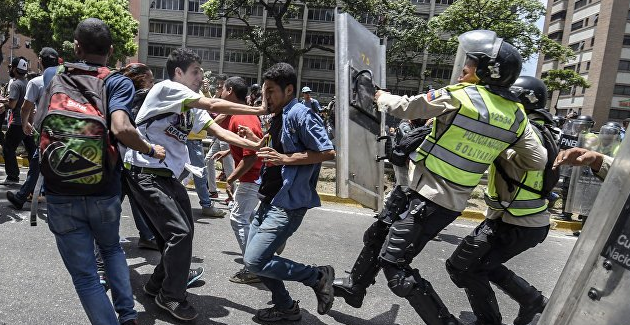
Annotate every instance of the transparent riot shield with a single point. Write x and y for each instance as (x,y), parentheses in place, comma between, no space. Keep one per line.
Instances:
(595,283)
(359,126)
(584,185)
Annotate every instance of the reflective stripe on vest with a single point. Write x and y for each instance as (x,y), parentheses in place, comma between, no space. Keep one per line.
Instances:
(524,202)
(485,125)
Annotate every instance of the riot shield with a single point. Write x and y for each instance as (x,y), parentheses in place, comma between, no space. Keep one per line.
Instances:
(584,185)
(569,139)
(360,69)
(594,285)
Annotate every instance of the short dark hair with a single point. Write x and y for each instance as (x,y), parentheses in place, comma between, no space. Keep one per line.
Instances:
(94,36)
(221,77)
(180,58)
(283,74)
(239,87)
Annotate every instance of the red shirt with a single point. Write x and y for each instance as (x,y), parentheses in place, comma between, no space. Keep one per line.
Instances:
(238,153)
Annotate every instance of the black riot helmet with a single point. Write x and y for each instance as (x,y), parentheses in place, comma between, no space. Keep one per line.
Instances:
(498,62)
(559,120)
(531,91)
(586,119)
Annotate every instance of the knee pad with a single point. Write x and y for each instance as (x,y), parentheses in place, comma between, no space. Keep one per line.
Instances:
(400,280)
(468,254)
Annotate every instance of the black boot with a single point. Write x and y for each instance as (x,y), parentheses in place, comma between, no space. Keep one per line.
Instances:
(530,300)
(352,288)
(429,306)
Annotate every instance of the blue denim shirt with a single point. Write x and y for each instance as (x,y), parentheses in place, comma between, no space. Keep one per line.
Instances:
(302,130)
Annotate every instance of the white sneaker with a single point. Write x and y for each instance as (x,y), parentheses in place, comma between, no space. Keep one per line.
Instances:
(212,212)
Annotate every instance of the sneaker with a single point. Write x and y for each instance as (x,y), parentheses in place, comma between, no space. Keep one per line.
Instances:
(14,200)
(103,279)
(10,181)
(565,216)
(212,212)
(274,314)
(214,195)
(324,289)
(181,310)
(194,275)
(244,277)
(526,313)
(148,244)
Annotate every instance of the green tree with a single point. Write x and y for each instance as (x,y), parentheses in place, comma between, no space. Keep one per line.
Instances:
(562,80)
(52,23)
(279,42)
(10,11)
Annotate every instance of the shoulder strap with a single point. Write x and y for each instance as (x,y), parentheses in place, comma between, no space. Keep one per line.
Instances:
(512,182)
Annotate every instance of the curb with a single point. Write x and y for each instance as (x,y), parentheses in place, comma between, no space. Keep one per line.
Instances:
(22,162)
(466,214)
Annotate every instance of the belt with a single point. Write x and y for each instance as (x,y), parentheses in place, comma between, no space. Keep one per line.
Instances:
(163,172)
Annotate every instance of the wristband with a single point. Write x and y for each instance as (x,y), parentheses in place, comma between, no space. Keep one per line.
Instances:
(151,152)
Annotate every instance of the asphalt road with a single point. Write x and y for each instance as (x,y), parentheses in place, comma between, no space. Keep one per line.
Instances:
(35,287)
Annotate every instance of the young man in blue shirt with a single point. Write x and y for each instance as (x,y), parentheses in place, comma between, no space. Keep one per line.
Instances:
(310,102)
(292,161)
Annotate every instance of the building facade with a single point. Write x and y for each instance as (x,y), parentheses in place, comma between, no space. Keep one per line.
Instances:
(18,45)
(169,24)
(599,33)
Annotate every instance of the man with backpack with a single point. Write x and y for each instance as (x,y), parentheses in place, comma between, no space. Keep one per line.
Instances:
(475,121)
(81,166)
(516,220)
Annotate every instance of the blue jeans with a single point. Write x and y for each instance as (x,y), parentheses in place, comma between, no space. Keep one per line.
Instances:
(271,228)
(195,152)
(76,222)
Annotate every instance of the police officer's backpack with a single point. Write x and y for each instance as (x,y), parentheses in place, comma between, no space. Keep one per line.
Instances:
(550,176)
(407,144)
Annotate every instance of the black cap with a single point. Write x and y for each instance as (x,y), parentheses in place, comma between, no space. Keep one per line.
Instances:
(48,52)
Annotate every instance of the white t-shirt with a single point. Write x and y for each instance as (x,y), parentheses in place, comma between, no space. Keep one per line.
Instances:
(164,119)
(35,90)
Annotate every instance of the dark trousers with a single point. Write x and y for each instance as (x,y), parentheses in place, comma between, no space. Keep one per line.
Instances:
(165,203)
(31,178)
(479,258)
(14,136)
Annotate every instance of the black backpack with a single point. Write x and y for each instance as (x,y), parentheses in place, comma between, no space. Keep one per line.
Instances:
(407,144)
(550,176)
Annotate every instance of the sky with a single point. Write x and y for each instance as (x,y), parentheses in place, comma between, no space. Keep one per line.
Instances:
(529,67)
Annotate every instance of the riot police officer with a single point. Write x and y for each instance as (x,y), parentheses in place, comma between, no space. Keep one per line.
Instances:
(516,220)
(475,121)
(570,133)
(609,138)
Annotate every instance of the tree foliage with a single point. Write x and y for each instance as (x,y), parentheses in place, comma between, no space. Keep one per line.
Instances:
(563,80)
(277,43)
(52,23)
(10,11)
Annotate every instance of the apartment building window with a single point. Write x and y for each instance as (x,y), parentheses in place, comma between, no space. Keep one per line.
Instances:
(441,73)
(557,36)
(592,41)
(166,27)
(417,2)
(257,10)
(580,4)
(236,32)
(577,25)
(321,14)
(628,18)
(567,92)
(159,73)
(570,67)
(444,2)
(320,86)
(319,63)
(618,114)
(626,40)
(320,38)
(195,5)
(160,50)
(169,4)
(575,46)
(207,54)
(295,14)
(241,57)
(204,30)
(624,65)
(558,15)
(622,90)
(368,19)
(588,65)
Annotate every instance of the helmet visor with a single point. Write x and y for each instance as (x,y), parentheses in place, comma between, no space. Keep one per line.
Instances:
(476,43)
